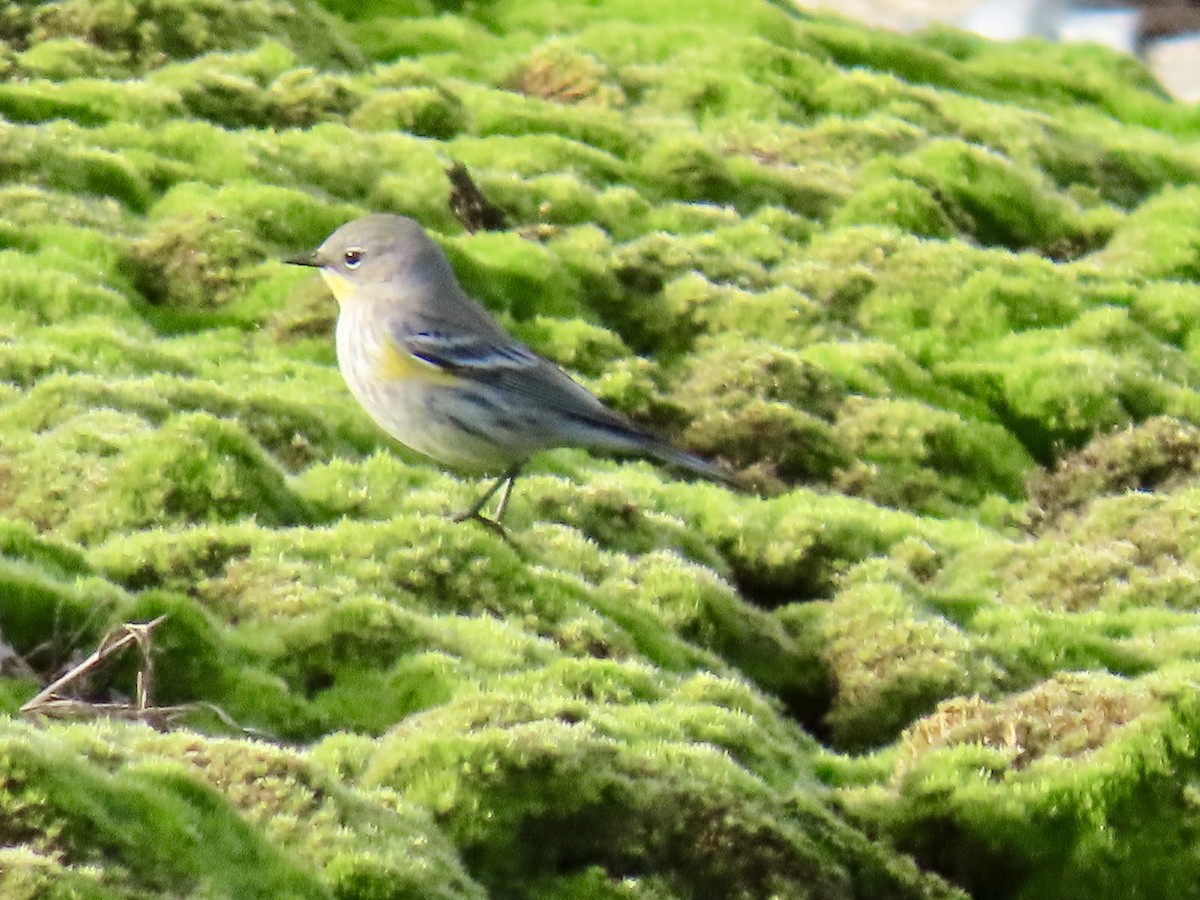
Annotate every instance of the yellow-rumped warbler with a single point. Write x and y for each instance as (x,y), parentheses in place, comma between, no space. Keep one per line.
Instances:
(437,373)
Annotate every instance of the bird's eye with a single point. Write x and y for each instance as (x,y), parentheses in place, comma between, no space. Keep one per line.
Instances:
(353,258)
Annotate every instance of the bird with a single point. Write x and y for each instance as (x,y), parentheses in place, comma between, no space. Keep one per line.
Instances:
(437,373)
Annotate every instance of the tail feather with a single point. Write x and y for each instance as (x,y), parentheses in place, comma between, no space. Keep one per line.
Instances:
(625,437)
(601,428)
(690,462)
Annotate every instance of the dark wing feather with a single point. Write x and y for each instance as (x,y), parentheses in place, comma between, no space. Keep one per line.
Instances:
(513,368)
(518,373)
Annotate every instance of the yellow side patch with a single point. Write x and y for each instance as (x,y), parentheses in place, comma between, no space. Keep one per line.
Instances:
(396,364)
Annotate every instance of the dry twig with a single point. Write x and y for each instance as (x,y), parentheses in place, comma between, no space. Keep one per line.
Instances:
(473,209)
(51,702)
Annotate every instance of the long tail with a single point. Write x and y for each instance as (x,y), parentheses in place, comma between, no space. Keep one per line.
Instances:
(690,462)
(628,438)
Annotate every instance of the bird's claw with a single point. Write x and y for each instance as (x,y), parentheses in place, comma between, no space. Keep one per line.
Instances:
(473,515)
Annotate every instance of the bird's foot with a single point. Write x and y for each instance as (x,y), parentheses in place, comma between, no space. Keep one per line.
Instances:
(474,515)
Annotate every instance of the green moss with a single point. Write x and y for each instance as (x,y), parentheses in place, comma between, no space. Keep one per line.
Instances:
(1124,552)
(269,806)
(205,469)
(796,547)
(495,112)
(538,154)
(55,157)
(875,368)
(180,150)
(1095,161)
(261,88)
(956,306)
(660,270)
(1034,73)
(565,74)
(18,540)
(771,413)
(63,59)
(195,256)
(1157,241)
(35,293)
(1058,756)
(390,38)
(1158,454)
(705,611)
(1166,309)
(550,18)
(264,401)
(143,35)
(114,818)
(883,276)
(898,202)
(575,344)
(350,165)
(190,262)
(1052,394)
(283,217)
(513,276)
(424,111)
(89,345)
(88,103)
(25,872)
(890,662)
(995,201)
(47,618)
(685,168)
(108,470)
(911,456)
(546,201)
(532,746)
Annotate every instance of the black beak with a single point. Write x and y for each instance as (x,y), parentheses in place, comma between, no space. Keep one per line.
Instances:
(304,259)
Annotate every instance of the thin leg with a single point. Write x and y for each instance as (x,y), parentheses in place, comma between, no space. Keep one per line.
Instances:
(505,481)
(504,495)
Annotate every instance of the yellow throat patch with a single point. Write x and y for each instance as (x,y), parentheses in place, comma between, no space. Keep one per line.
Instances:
(339,286)
(394,363)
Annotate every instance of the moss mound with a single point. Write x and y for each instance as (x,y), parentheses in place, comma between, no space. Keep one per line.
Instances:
(935,299)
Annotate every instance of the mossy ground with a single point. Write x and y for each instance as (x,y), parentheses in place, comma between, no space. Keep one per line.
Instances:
(936,299)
